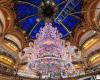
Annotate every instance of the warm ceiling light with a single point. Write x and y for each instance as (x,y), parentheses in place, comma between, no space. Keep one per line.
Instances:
(11,46)
(38,20)
(9,18)
(78,66)
(6,60)
(48,2)
(95,58)
(90,43)
(24,32)
(53,3)
(42,4)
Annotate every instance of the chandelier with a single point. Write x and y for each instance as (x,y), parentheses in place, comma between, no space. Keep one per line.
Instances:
(48,54)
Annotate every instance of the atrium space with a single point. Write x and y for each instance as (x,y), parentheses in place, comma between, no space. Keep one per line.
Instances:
(49,39)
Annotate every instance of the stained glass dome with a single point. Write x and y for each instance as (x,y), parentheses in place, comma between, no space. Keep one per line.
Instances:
(66,17)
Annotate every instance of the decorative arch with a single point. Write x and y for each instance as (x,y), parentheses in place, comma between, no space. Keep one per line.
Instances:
(91,45)
(90,9)
(14,39)
(7,18)
(86,36)
(94,58)
(97,14)
(5,1)
(2,21)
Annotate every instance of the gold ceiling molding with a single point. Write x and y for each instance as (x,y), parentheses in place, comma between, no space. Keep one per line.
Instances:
(94,60)
(97,14)
(90,8)
(11,46)
(2,22)
(95,57)
(9,18)
(19,35)
(79,66)
(12,43)
(90,46)
(6,60)
(10,27)
(90,42)
(4,18)
(86,36)
(14,39)
(5,2)
(9,22)
(79,32)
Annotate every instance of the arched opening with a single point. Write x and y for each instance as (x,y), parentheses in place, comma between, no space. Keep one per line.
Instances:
(12,42)
(86,36)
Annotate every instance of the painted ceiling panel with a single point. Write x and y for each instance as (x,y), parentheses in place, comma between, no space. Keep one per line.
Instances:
(28,23)
(60,7)
(60,29)
(27,12)
(58,1)
(41,24)
(71,22)
(35,2)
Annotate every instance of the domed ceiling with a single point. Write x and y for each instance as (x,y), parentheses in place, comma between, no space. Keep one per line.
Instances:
(31,15)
